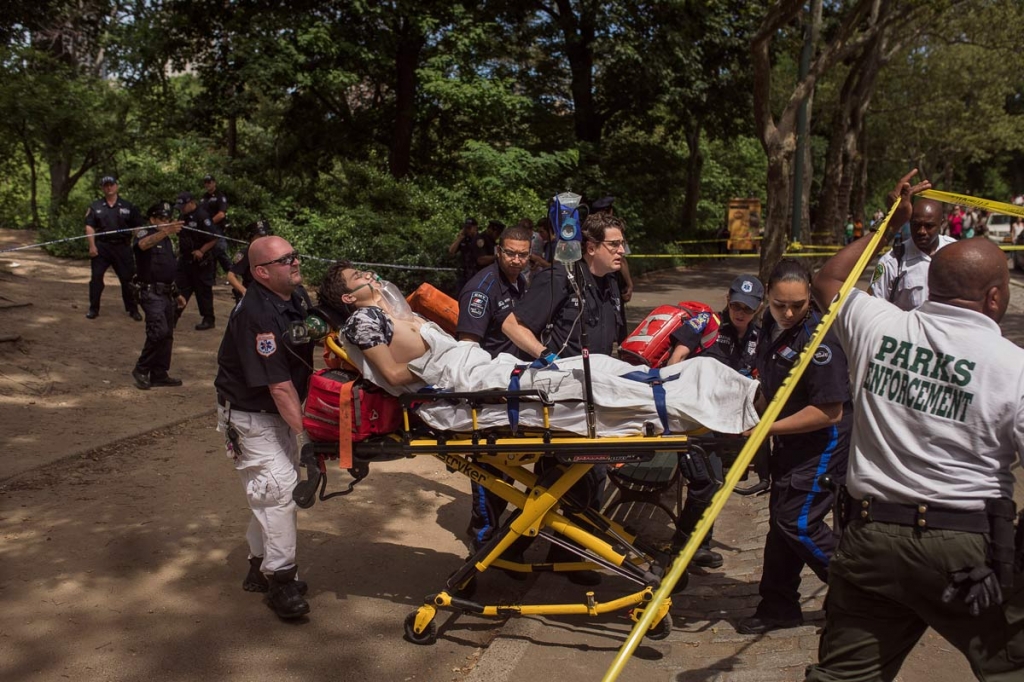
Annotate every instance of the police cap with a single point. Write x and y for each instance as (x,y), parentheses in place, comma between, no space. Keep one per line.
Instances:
(161,209)
(260,228)
(183,199)
(209,178)
(108,180)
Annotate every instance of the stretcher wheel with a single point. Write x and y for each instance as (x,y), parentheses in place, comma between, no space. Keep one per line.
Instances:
(660,631)
(428,636)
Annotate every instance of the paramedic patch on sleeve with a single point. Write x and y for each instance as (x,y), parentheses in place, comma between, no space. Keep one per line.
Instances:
(266,344)
(698,322)
(877,275)
(477,304)
(822,356)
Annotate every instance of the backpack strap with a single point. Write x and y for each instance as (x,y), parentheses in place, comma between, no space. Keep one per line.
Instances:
(899,249)
(345,424)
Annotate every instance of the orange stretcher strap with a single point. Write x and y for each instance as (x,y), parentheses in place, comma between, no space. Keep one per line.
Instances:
(345,425)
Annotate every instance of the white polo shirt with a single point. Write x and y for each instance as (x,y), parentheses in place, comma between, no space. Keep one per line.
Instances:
(938,403)
(912,290)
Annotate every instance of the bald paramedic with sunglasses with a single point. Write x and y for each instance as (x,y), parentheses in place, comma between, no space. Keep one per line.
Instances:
(263,369)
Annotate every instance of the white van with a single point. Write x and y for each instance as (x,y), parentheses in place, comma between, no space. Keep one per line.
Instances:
(999,227)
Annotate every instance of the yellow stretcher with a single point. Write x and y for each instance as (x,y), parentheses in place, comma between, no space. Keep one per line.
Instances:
(543,505)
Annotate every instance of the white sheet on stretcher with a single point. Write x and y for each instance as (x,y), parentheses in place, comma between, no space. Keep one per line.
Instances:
(704,393)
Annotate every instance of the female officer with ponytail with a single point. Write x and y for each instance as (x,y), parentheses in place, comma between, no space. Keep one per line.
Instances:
(810,438)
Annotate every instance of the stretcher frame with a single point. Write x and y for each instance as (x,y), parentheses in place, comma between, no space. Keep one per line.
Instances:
(545,509)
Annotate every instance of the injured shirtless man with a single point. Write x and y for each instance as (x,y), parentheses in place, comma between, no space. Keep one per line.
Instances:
(401,353)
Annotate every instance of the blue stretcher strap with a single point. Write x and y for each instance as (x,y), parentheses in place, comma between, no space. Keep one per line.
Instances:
(513,403)
(656,381)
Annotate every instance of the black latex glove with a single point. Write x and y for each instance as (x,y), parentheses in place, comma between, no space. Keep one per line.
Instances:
(979,588)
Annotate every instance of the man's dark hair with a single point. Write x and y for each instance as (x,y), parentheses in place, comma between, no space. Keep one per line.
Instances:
(515,234)
(596,223)
(333,287)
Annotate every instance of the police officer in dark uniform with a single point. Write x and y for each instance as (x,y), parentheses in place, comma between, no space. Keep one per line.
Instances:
(551,311)
(110,248)
(157,268)
(239,276)
(216,205)
(485,302)
(264,364)
(196,266)
(468,244)
(810,438)
(731,338)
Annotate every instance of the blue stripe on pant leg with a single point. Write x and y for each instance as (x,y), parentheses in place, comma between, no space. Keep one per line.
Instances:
(801,523)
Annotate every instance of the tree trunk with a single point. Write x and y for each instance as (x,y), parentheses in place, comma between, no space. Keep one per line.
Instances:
(33,180)
(781,154)
(694,168)
(232,141)
(410,44)
(579,34)
(60,187)
(860,187)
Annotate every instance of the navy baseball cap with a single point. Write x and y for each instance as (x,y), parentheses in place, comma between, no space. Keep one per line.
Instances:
(748,290)
(602,204)
(160,210)
(108,180)
(183,198)
(470,221)
(209,178)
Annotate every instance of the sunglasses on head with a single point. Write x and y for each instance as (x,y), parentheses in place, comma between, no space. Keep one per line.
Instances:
(286,259)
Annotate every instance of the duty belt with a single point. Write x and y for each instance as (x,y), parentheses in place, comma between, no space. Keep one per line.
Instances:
(919,515)
(159,287)
(231,407)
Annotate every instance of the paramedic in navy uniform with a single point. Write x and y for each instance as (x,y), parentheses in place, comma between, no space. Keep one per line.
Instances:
(551,298)
(939,424)
(158,266)
(484,303)
(811,438)
(733,336)
(115,249)
(262,379)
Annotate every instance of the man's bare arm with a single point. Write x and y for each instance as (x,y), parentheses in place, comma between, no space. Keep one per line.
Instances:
(394,372)
(524,339)
(287,400)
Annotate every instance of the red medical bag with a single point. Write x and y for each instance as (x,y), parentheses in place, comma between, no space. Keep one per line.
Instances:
(650,343)
(373,412)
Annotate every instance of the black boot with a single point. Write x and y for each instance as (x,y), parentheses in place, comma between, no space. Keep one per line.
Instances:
(207,323)
(255,581)
(285,596)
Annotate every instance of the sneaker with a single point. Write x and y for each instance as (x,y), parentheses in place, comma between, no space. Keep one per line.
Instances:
(135,315)
(141,379)
(758,625)
(92,314)
(164,381)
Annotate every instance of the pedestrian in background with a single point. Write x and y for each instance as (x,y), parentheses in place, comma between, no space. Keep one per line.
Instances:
(107,223)
(158,267)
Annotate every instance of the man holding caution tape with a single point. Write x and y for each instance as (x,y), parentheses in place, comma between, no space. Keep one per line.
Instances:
(928,513)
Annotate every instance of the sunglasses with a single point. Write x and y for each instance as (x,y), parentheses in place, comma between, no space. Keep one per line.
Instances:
(514,255)
(740,308)
(286,259)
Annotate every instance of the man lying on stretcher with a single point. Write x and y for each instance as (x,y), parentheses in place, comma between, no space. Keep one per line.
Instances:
(401,352)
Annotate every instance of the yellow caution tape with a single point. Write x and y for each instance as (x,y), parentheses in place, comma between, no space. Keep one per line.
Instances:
(987,204)
(758,435)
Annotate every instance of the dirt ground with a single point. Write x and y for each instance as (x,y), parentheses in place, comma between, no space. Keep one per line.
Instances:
(125,562)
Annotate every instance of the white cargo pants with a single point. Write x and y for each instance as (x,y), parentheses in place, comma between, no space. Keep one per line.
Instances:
(267,461)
